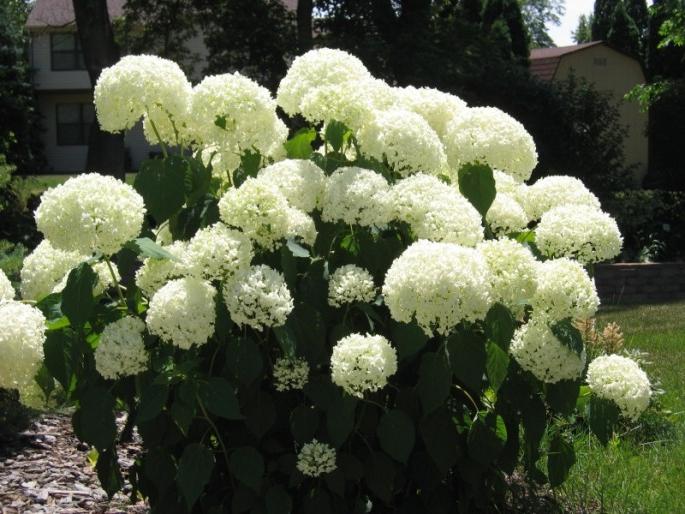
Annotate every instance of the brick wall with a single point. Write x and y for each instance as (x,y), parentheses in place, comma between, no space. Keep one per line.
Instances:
(640,282)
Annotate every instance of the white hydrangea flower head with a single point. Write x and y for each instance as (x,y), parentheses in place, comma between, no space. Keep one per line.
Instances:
(301,226)
(537,349)
(121,350)
(259,209)
(439,285)
(172,128)
(138,84)
(90,213)
(290,374)
(620,379)
(223,162)
(557,190)
(506,184)
(301,182)
(316,459)
(259,298)
(435,210)
(356,196)
(317,68)
(183,312)
(21,347)
(154,273)
(506,216)
(580,232)
(436,107)
(7,292)
(565,290)
(349,284)
(217,252)
(490,136)
(248,109)
(405,140)
(104,280)
(44,268)
(513,272)
(362,363)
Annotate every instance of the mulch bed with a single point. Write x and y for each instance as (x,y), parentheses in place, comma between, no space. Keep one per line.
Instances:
(46,470)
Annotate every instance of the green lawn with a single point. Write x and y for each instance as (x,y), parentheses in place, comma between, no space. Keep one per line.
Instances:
(643,472)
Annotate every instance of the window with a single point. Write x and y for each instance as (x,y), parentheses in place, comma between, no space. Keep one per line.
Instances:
(73,123)
(65,52)
(600,61)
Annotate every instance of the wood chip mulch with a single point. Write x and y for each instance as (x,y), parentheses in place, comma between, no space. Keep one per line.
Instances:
(46,470)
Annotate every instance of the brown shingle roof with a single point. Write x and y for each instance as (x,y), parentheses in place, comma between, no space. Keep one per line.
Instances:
(544,61)
(60,13)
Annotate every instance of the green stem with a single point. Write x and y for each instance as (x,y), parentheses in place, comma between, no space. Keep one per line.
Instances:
(154,129)
(216,431)
(116,280)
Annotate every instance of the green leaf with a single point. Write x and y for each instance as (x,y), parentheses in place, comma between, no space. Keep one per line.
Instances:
(45,381)
(286,340)
(108,471)
(602,417)
(467,358)
(300,145)
(500,326)
(396,434)
(569,335)
(152,401)
(487,437)
(304,422)
(94,420)
(250,162)
(496,365)
(340,418)
(78,303)
(247,465)
(194,471)
(146,247)
(160,468)
(61,357)
(477,184)
(408,338)
(335,135)
(197,180)
(441,439)
(434,382)
(260,414)
(219,397)
(560,460)
(184,406)
(379,475)
(297,250)
(563,395)
(289,268)
(189,220)
(244,359)
(527,236)
(278,500)
(51,307)
(161,183)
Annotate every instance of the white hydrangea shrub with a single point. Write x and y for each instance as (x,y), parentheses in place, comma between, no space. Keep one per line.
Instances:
(7,291)
(44,268)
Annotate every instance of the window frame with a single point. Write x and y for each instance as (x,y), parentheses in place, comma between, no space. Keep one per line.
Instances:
(82,124)
(76,53)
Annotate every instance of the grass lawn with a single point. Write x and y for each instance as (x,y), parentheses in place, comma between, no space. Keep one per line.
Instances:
(645,473)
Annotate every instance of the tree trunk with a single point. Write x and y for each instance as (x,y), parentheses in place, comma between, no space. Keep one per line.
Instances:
(304,25)
(105,150)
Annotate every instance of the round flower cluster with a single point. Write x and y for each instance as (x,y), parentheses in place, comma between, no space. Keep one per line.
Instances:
(104,278)
(356,196)
(90,213)
(316,459)
(361,363)
(512,272)
(258,298)
(506,216)
(438,284)
(44,268)
(349,284)
(6,290)
(301,182)
(404,140)
(290,373)
(121,350)
(154,273)
(580,232)
(223,162)
(435,211)
(301,226)
(537,349)
(216,252)
(564,291)
(138,85)
(491,136)
(182,312)
(620,380)
(557,190)
(436,107)
(21,347)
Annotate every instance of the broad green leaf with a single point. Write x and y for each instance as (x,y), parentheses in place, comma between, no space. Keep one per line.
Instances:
(602,417)
(527,236)
(569,335)
(94,420)
(218,395)
(300,145)
(287,340)
(45,381)
(244,359)
(560,459)
(477,184)
(161,183)
(441,439)
(78,303)
(278,500)
(184,224)
(487,437)
(408,338)
(51,307)
(467,358)
(500,326)
(61,357)
(197,180)
(250,162)
(335,135)
(194,471)
(160,468)
(340,418)
(247,465)
(260,414)
(396,434)
(304,422)
(434,382)
(184,407)
(379,475)
(146,247)
(562,396)
(496,365)
(108,471)
(152,401)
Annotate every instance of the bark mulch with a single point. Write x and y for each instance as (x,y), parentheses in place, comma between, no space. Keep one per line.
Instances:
(46,470)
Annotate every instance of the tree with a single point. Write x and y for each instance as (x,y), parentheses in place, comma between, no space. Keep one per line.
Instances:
(623,33)
(638,11)
(105,150)
(537,15)
(601,18)
(304,25)
(504,20)
(583,32)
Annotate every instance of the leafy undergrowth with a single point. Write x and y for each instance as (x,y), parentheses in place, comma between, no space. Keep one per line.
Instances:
(643,471)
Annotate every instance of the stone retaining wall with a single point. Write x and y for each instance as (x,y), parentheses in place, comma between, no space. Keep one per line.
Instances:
(640,282)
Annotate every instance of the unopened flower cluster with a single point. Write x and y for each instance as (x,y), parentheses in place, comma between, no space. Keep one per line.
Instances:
(316,459)
(290,373)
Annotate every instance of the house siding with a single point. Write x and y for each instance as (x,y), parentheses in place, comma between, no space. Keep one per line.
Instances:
(44,78)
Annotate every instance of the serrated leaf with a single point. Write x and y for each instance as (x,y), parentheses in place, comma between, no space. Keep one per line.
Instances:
(218,395)
(434,382)
(247,465)
(569,335)
(560,459)
(477,184)
(197,180)
(194,470)
(396,434)
(78,302)
(496,364)
(467,358)
(161,183)
(500,326)
(335,134)
(300,145)
(250,162)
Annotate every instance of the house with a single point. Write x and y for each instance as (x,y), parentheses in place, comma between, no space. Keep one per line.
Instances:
(609,70)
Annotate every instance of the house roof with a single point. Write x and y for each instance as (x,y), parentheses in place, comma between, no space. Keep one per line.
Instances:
(544,61)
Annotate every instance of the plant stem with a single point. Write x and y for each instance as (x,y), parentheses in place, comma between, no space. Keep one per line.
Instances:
(216,431)
(154,129)
(116,281)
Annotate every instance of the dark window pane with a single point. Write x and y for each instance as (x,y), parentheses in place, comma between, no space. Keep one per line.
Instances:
(69,134)
(68,113)
(63,42)
(63,61)
(88,113)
